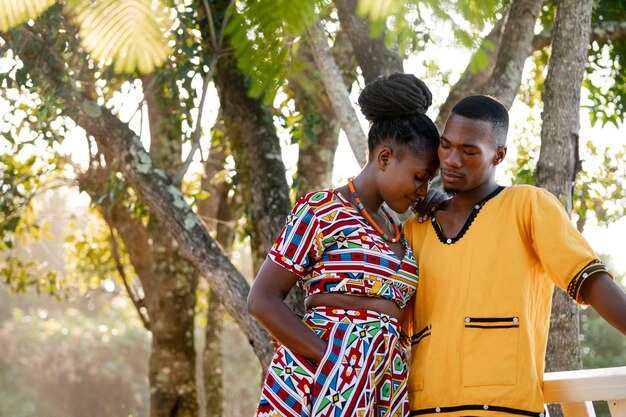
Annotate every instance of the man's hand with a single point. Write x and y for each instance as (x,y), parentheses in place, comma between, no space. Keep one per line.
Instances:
(426,206)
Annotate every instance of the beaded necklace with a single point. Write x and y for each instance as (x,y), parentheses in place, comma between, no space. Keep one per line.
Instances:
(371,221)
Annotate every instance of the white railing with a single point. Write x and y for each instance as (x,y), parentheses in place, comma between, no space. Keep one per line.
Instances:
(575,390)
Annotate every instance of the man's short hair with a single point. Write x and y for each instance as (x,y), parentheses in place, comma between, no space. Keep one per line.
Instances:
(486,108)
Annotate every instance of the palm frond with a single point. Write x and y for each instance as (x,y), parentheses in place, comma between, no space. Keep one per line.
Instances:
(14,13)
(130,33)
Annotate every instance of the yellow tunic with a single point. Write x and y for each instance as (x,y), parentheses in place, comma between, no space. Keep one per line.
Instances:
(479,320)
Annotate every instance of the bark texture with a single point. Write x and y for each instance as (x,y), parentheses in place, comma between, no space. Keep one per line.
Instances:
(319,131)
(337,91)
(516,47)
(373,56)
(558,159)
(256,149)
(219,213)
(260,168)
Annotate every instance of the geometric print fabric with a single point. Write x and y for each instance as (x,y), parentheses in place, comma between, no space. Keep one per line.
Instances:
(363,372)
(330,246)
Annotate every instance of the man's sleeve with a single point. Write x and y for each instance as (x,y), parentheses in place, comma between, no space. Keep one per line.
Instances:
(563,252)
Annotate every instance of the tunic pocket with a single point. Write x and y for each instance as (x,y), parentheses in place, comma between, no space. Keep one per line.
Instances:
(419,351)
(490,351)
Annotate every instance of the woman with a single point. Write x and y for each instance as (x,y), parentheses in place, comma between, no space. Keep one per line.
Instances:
(344,247)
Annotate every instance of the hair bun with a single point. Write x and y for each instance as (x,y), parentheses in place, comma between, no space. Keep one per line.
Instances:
(399,95)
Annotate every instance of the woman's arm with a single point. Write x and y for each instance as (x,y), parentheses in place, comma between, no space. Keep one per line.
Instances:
(266,303)
(607,298)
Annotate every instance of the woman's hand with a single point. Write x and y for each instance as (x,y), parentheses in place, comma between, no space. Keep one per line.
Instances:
(266,304)
(426,206)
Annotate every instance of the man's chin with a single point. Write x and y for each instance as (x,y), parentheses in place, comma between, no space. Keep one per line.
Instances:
(450,190)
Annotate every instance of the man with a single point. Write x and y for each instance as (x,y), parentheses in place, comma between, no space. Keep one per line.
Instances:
(488,261)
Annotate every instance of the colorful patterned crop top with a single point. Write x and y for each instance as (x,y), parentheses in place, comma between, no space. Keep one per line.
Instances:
(328,244)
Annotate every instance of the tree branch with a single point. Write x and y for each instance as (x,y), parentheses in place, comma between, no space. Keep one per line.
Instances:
(337,91)
(121,146)
(137,302)
(600,32)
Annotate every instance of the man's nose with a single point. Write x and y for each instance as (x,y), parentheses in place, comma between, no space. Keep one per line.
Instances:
(452,159)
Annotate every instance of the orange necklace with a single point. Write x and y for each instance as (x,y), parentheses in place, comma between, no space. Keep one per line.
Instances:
(371,221)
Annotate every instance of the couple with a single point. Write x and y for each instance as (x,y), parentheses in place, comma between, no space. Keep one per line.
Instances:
(488,260)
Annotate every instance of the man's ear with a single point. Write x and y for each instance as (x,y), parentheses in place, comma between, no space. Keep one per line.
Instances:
(383,157)
(500,154)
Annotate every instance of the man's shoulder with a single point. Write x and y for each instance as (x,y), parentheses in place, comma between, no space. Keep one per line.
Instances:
(525,192)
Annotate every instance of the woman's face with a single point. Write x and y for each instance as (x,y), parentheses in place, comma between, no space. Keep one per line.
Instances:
(405,177)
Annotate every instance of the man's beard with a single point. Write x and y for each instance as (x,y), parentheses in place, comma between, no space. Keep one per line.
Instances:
(450,191)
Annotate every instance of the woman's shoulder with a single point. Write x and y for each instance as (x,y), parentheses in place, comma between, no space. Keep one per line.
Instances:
(320,198)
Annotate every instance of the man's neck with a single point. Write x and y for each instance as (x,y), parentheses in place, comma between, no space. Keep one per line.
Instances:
(465,200)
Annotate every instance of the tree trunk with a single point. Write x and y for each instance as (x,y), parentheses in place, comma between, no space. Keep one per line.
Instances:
(558,159)
(374,58)
(259,162)
(170,300)
(319,135)
(337,92)
(219,214)
(516,47)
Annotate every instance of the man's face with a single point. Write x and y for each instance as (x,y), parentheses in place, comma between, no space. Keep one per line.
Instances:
(468,154)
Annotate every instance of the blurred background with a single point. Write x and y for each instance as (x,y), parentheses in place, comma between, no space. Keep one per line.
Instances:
(150,151)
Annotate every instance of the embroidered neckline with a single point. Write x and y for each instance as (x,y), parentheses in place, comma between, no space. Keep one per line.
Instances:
(449,241)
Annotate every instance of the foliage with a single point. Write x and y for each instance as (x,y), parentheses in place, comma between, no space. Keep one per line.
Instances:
(131,33)
(600,187)
(523,168)
(605,82)
(264,36)
(606,71)
(403,20)
(89,257)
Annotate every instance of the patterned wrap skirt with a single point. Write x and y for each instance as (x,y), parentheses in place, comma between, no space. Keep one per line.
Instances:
(363,372)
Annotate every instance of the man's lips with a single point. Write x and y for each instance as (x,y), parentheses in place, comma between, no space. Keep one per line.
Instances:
(450,175)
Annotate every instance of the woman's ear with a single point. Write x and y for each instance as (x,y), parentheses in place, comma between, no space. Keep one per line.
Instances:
(383,157)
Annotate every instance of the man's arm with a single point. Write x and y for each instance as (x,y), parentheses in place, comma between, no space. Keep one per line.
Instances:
(607,298)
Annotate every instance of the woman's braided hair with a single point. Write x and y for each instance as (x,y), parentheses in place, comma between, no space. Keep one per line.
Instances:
(396,106)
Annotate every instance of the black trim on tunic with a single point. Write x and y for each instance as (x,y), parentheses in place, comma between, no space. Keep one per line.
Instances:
(468,407)
(449,241)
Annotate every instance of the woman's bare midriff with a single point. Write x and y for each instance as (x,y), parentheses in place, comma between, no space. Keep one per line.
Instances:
(351,301)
